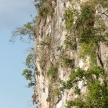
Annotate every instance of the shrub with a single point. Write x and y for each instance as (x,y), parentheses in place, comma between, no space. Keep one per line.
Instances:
(25,33)
(70,43)
(68,16)
(30,61)
(97,91)
(44,8)
(52,72)
(68,62)
(29,75)
(56,91)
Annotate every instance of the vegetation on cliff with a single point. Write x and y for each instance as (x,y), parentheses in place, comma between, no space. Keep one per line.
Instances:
(26,34)
(88,27)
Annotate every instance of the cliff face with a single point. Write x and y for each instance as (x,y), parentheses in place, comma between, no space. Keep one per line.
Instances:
(49,31)
(54,59)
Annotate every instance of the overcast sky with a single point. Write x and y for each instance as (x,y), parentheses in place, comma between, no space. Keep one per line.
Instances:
(13,93)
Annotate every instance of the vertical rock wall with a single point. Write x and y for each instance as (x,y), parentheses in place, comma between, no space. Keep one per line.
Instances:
(49,44)
(49,30)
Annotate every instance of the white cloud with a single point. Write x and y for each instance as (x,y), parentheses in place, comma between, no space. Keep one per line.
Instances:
(15,12)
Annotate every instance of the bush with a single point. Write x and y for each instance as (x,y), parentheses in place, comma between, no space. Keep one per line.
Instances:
(68,16)
(44,8)
(70,43)
(30,61)
(97,90)
(52,72)
(29,75)
(25,33)
(56,91)
(67,62)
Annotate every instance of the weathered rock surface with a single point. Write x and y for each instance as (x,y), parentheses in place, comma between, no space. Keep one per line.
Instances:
(49,44)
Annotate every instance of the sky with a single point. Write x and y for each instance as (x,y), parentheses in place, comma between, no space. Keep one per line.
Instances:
(13,90)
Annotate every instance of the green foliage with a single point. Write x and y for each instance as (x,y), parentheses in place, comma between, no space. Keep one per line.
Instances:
(97,90)
(68,16)
(82,24)
(52,72)
(87,35)
(68,62)
(45,8)
(59,48)
(42,63)
(31,84)
(103,3)
(26,32)
(77,102)
(37,107)
(43,43)
(86,50)
(96,70)
(89,29)
(56,91)
(70,43)
(46,42)
(86,17)
(79,74)
(29,75)
(30,61)
(77,90)
(64,86)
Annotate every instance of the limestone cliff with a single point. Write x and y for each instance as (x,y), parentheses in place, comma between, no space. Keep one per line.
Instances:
(57,52)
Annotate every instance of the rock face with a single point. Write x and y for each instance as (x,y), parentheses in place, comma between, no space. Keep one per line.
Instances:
(49,31)
(51,56)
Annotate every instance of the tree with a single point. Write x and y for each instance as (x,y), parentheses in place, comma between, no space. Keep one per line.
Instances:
(29,75)
(30,61)
(25,33)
